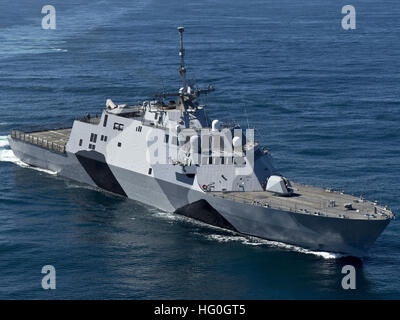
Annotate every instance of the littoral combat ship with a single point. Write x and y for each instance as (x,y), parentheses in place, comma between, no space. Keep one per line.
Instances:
(168,154)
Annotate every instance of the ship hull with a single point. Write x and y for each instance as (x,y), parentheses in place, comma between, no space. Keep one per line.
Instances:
(350,236)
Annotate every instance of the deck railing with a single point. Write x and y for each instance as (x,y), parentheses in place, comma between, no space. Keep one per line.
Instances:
(324,209)
(44,143)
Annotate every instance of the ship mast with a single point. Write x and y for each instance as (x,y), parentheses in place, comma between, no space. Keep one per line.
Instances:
(185,96)
(182,69)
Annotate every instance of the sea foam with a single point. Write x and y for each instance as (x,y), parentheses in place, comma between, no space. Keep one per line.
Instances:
(244,239)
(7,155)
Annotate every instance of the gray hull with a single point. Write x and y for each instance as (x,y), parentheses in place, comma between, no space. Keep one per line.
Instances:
(313,232)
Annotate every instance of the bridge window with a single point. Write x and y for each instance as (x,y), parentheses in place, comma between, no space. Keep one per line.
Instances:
(105,120)
(118,126)
(93,137)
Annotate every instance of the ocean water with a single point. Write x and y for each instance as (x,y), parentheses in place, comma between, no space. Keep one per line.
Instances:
(325,101)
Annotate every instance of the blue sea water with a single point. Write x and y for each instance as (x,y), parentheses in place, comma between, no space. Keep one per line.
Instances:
(324,100)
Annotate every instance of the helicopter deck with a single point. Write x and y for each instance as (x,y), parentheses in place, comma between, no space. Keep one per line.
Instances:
(54,140)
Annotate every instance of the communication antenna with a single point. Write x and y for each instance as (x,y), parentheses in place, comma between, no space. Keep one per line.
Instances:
(182,69)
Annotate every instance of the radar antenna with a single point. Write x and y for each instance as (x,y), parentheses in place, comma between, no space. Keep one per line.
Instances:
(185,95)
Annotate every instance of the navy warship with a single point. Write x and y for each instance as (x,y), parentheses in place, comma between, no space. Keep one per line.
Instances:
(167,153)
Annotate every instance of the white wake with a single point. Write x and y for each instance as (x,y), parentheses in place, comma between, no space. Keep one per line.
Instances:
(253,241)
(7,155)
(247,240)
